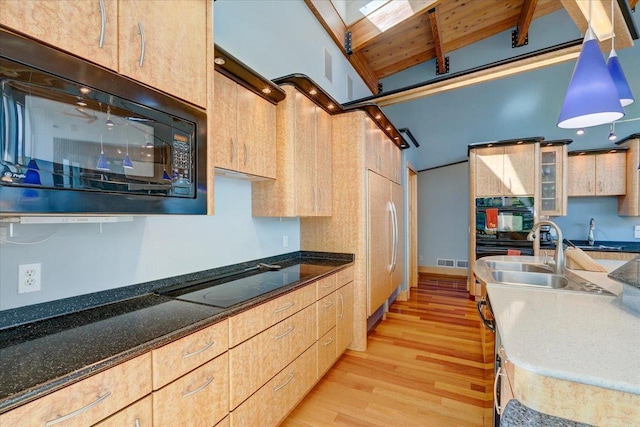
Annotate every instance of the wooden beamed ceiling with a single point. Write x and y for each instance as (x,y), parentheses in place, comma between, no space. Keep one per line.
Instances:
(405,33)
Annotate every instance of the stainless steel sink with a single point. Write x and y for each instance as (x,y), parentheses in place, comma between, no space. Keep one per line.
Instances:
(553,281)
(519,266)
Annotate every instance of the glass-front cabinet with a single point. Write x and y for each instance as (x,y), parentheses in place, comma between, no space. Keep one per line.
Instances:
(553,178)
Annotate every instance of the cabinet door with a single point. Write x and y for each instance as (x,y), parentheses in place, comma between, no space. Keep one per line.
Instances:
(323,163)
(553,181)
(611,174)
(519,170)
(489,171)
(373,146)
(74,26)
(224,118)
(629,205)
(344,317)
(581,175)
(173,55)
(138,414)
(379,241)
(256,134)
(397,275)
(305,156)
(200,398)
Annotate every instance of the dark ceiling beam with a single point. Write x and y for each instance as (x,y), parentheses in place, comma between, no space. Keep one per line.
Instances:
(526,15)
(335,27)
(434,20)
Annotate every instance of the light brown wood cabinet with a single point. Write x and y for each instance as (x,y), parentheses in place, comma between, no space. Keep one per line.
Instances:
(90,400)
(273,401)
(257,360)
(382,157)
(629,204)
(161,44)
(553,180)
(244,130)
(303,183)
(199,398)
(347,230)
(179,357)
(344,317)
(138,414)
(384,209)
(82,28)
(602,174)
(504,170)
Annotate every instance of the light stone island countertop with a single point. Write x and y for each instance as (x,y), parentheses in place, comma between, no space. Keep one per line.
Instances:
(574,355)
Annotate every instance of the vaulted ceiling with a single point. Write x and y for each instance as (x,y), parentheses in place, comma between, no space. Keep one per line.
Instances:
(399,34)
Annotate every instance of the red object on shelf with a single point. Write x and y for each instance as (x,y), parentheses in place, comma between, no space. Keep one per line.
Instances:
(513,252)
(491,221)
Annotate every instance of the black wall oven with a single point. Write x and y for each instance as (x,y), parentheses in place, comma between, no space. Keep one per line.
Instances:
(77,138)
(502,226)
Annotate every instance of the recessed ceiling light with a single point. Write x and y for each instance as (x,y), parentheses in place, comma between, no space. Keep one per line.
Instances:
(313,92)
(220,60)
(266,90)
(330,106)
(378,116)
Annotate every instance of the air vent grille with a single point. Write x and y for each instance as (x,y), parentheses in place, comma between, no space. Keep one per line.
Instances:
(460,263)
(446,262)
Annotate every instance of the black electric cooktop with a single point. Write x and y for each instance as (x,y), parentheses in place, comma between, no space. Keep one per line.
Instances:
(242,287)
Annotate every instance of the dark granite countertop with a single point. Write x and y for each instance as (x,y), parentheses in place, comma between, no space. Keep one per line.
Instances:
(39,357)
(628,273)
(608,246)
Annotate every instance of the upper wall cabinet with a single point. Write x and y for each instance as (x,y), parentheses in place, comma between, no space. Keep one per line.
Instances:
(629,204)
(164,44)
(383,157)
(88,29)
(597,173)
(505,170)
(303,183)
(244,130)
(553,178)
(161,44)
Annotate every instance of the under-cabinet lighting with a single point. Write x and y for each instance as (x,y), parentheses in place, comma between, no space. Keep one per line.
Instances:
(85,90)
(65,219)
(219,60)
(266,90)
(313,92)
(330,106)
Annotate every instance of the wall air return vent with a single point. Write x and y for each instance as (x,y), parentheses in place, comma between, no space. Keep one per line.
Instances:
(446,263)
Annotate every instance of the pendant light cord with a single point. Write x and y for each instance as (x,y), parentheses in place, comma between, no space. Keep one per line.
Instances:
(613,34)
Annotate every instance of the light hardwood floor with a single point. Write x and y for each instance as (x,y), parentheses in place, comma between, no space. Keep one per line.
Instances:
(423,367)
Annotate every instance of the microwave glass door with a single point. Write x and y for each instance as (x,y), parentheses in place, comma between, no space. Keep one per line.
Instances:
(58,134)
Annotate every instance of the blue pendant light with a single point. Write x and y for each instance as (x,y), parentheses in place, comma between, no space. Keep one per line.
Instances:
(102,164)
(624,91)
(592,97)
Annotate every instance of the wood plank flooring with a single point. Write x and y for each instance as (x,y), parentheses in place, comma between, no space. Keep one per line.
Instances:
(423,367)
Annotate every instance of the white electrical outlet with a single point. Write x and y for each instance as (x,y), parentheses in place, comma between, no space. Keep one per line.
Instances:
(285,241)
(636,231)
(29,276)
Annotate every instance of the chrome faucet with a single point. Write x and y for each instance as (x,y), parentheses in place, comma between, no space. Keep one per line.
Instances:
(559,255)
(592,226)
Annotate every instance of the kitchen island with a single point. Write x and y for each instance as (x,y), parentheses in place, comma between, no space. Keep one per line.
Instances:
(571,354)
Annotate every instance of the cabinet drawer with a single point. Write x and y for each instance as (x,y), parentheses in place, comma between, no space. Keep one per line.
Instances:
(326,314)
(249,323)
(344,276)
(137,415)
(200,398)
(327,349)
(269,405)
(255,361)
(179,357)
(326,286)
(88,401)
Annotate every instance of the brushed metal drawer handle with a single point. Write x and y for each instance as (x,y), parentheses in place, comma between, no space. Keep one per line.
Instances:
(327,304)
(78,411)
(291,375)
(285,333)
(283,308)
(206,347)
(137,422)
(341,306)
(142,43)
(199,389)
(327,342)
(103,20)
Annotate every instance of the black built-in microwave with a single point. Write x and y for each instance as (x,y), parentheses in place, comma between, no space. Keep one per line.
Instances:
(76,138)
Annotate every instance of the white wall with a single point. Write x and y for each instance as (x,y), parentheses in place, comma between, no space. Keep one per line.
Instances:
(276,38)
